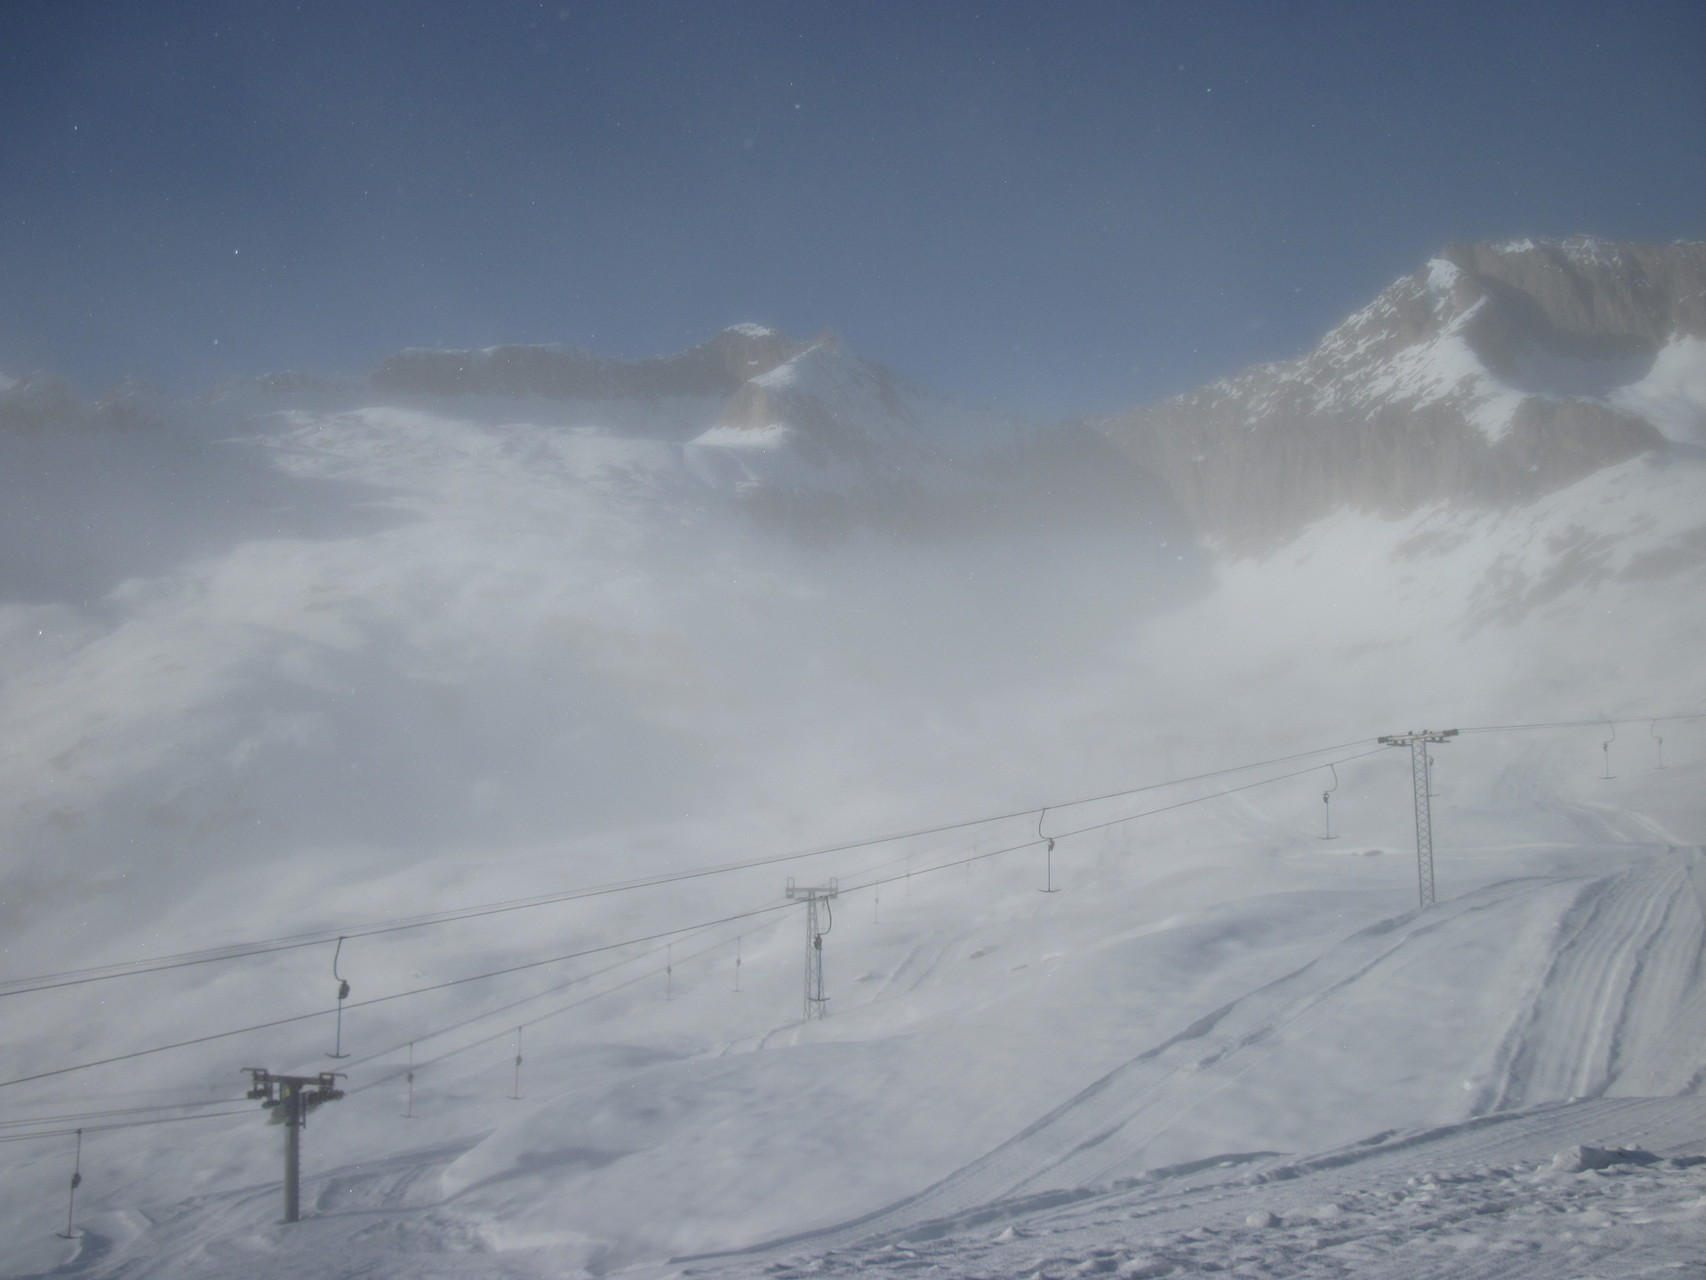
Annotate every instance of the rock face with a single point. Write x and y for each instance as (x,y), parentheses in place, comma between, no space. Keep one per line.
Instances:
(39,403)
(812,438)
(716,367)
(1586,297)
(827,441)
(1495,374)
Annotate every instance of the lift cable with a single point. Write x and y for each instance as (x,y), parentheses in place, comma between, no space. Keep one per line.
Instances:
(957,861)
(397,995)
(127,1124)
(424,1036)
(1598,722)
(653,937)
(290,942)
(537,1018)
(82,1116)
(960,861)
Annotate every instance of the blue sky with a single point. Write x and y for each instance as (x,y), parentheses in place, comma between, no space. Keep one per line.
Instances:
(1049,207)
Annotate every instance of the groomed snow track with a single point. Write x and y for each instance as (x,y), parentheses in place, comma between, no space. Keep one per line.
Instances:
(1480,1200)
(1611,1018)
(1617,1007)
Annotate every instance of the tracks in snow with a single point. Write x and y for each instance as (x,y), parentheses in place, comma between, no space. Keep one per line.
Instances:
(1615,1006)
(1620,1001)
(1103,1129)
(362,1213)
(1474,1201)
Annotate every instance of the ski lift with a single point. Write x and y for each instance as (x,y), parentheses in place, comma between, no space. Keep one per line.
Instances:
(1327,806)
(1048,855)
(1606,747)
(343,994)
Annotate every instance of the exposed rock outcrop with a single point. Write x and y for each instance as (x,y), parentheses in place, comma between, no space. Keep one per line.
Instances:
(1585,297)
(829,441)
(715,367)
(40,402)
(1494,374)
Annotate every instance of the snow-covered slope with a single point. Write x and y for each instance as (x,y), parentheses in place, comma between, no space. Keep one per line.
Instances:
(1495,374)
(531,654)
(827,442)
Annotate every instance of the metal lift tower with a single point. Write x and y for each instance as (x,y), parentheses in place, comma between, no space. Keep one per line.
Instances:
(290,1099)
(811,896)
(1418,744)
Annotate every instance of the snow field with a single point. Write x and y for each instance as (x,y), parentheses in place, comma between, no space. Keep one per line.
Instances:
(546,619)
(1472,1200)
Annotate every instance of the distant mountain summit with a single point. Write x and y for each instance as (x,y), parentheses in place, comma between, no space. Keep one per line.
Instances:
(714,367)
(812,437)
(1495,373)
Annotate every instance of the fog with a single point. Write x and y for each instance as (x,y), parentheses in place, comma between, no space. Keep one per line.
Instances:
(438,632)
(308,659)
(1004,468)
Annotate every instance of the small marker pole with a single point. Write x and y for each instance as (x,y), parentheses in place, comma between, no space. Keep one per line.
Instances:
(737,964)
(343,994)
(515,1093)
(409,1110)
(1048,856)
(669,972)
(1327,806)
(70,1232)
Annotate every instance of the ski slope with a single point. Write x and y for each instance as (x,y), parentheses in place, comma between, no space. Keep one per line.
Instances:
(1499,1197)
(1285,1071)
(1220,1014)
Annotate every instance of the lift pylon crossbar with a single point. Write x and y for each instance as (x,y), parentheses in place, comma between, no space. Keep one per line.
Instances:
(290,1099)
(1423,784)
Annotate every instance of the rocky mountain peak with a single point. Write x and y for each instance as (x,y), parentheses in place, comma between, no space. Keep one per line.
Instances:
(1587,297)
(1494,373)
(716,366)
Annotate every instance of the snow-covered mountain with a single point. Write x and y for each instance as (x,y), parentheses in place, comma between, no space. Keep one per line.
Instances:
(620,647)
(1494,374)
(826,442)
(538,580)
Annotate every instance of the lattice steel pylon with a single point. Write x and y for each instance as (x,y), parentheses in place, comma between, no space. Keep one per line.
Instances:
(812,895)
(1419,761)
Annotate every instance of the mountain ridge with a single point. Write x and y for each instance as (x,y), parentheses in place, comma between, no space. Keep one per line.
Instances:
(459,650)
(718,365)
(1493,374)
